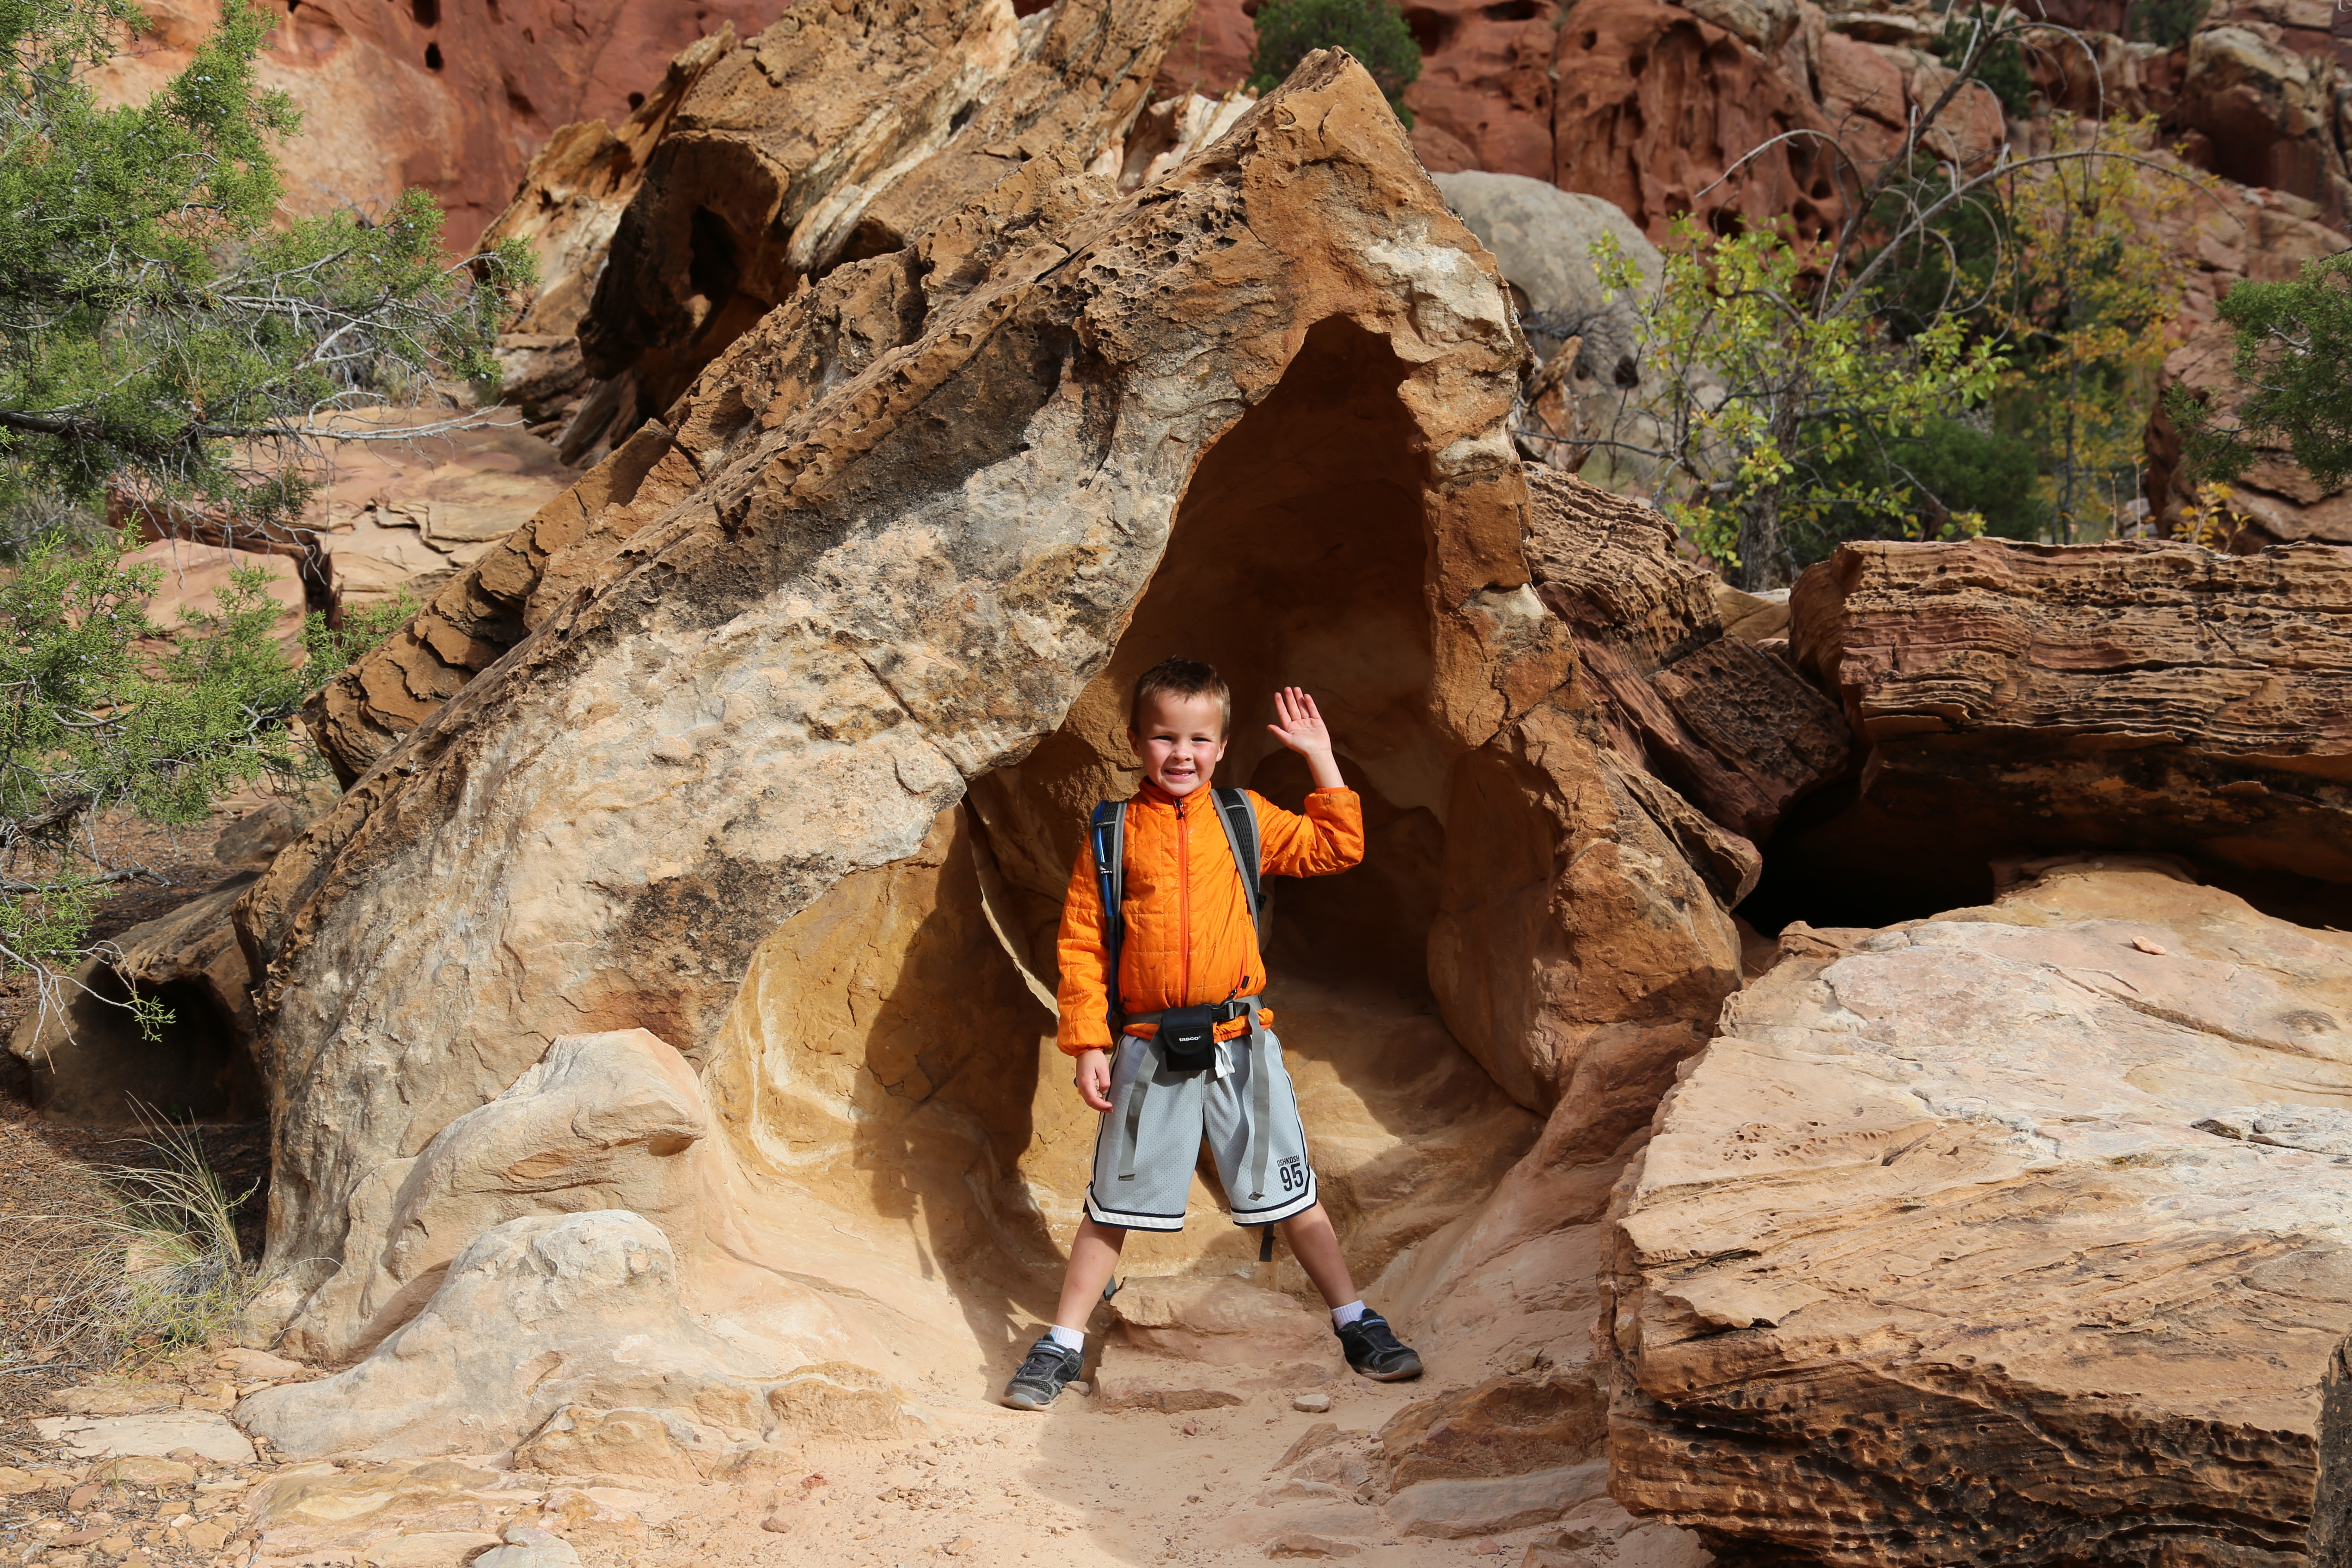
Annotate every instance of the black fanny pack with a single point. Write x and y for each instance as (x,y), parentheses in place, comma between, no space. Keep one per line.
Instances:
(1187,1036)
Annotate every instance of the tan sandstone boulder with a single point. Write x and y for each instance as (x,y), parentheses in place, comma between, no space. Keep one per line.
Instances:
(2017,1234)
(740,739)
(543,1331)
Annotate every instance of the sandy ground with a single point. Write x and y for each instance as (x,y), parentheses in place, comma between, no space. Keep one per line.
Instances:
(981,1486)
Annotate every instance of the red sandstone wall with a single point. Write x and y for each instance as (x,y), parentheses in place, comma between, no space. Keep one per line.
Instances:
(452,95)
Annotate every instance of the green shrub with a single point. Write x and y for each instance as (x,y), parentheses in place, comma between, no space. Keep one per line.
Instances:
(2002,70)
(1952,470)
(2168,24)
(1371,30)
(2294,340)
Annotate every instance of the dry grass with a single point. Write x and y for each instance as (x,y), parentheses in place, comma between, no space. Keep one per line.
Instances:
(77,1204)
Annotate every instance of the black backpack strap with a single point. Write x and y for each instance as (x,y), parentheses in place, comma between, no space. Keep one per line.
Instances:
(1239,819)
(1106,834)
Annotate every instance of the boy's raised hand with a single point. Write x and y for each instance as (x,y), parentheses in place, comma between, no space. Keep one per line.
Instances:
(1299,726)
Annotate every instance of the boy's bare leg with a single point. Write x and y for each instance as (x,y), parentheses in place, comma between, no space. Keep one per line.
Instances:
(1317,1247)
(1092,1257)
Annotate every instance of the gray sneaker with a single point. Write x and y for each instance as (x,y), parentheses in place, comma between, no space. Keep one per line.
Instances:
(1049,1368)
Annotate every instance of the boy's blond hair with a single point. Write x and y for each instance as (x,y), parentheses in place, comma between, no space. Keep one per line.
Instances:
(1179,677)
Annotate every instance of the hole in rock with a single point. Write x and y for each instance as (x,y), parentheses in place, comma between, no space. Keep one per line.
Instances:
(1514,11)
(433,56)
(891,1050)
(1915,844)
(427,12)
(710,256)
(109,1074)
(1430,30)
(636,101)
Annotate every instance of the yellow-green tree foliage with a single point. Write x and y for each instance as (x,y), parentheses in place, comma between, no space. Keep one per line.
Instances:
(2093,274)
(1765,386)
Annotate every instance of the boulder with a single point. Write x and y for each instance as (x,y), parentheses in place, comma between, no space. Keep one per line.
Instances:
(792,754)
(2024,701)
(2015,1235)
(1542,238)
(541,1319)
(2269,112)
(1654,105)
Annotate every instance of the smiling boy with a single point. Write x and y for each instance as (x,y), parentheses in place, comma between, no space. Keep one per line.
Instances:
(1160,1006)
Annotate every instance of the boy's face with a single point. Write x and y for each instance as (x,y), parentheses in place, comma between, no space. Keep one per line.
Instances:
(1180,739)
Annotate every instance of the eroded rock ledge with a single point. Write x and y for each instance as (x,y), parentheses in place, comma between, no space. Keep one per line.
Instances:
(2020,1235)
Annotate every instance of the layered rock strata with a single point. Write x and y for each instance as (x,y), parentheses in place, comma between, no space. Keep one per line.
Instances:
(840,133)
(2021,700)
(2017,1235)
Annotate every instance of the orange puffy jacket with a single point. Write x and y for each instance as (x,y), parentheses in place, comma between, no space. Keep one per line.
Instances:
(1189,937)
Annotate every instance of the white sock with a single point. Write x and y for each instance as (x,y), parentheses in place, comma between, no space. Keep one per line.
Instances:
(1343,1316)
(1068,1339)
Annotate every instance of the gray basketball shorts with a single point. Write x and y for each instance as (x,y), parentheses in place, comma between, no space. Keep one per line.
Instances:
(1143,1187)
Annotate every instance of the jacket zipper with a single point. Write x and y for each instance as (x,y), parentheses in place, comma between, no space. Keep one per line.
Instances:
(1183,904)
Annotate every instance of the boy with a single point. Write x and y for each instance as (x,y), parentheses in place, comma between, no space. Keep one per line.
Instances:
(1191,1054)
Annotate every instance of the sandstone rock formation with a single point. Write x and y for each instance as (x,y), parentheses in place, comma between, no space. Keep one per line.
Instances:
(2019,701)
(1210,55)
(2016,1235)
(720,794)
(839,134)
(2268,112)
(1483,98)
(1734,729)
(572,1304)
(456,99)
(1654,104)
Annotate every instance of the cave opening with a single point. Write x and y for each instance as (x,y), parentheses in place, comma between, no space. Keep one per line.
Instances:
(1884,845)
(100,1068)
(891,1052)
(1298,555)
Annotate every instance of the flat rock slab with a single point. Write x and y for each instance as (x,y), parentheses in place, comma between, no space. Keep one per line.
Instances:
(156,1435)
(2020,1235)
